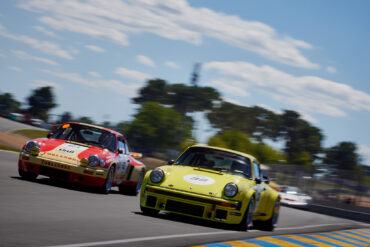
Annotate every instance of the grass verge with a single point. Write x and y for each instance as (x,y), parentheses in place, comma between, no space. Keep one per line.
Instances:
(7,148)
(32,134)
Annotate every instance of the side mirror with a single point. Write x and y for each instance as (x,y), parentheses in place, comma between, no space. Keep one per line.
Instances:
(136,155)
(266,179)
(171,162)
(258,180)
(49,135)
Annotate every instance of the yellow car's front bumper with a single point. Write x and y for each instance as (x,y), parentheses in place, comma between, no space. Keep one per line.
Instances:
(191,204)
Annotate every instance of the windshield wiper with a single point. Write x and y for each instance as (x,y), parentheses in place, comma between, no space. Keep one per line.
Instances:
(240,172)
(79,143)
(205,169)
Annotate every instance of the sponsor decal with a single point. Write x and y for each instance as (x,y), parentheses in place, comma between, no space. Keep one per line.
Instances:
(68,148)
(199,179)
(61,156)
(54,165)
(67,151)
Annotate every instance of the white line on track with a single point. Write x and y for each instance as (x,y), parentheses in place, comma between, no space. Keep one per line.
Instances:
(132,240)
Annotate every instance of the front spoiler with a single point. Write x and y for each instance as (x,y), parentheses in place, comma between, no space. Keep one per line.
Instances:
(62,170)
(192,204)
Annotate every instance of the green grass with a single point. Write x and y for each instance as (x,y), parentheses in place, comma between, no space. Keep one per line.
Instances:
(32,134)
(4,147)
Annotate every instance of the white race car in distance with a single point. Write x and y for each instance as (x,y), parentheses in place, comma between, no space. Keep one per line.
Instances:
(293,196)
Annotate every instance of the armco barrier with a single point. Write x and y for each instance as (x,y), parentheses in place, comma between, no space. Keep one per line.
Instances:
(338,212)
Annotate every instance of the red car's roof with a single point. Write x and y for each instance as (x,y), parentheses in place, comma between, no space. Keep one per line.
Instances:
(98,127)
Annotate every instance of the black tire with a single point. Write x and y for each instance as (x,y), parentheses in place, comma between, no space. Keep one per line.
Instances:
(108,181)
(27,175)
(247,220)
(149,211)
(269,224)
(128,190)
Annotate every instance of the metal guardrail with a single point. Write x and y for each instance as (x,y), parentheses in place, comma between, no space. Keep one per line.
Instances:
(339,212)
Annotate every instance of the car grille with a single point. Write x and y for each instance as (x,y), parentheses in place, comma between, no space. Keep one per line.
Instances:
(221,214)
(184,208)
(237,205)
(55,173)
(151,201)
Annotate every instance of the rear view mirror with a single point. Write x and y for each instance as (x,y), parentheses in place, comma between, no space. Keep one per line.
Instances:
(266,179)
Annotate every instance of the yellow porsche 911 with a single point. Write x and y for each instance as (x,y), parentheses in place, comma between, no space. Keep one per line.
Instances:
(215,184)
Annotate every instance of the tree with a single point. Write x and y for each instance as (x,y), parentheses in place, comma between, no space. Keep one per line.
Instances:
(256,122)
(86,120)
(343,156)
(301,139)
(183,98)
(154,91)
(232,139)
(187,99)
(239,141)
(8,104)
(66,117)
(40,102)
(156,126)
(266,154)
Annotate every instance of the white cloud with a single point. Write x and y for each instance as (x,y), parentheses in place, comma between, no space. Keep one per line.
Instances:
(232,88)
(306,93)
(365,152)
(15,68)
(308,117)
(270,109)
(145,60)
(45,31)
(232,101)
(132,74)
(95,74)
(331,69)
(95,48)
(44,46)
(25,56)
(127,89)
(43,83)
(171,64)
(175,20)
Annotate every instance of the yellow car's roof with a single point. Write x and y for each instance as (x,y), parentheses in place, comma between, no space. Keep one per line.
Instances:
(226,150)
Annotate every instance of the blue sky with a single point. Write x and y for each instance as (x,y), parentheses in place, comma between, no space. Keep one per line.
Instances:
(308,56)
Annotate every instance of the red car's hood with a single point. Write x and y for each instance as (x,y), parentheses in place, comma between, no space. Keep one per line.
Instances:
(61,150)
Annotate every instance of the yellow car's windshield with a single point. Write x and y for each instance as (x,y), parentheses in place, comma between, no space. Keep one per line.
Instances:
(217,160)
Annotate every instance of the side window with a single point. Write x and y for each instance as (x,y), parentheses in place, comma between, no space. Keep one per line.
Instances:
(122,146)
(256,169)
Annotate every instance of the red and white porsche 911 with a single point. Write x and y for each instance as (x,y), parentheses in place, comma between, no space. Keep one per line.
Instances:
(84,154)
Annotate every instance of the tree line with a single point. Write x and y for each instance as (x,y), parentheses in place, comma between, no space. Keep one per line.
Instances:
(164,121)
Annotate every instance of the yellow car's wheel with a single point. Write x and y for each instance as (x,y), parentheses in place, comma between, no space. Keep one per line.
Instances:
(269,224)
(248,216)
(149,211)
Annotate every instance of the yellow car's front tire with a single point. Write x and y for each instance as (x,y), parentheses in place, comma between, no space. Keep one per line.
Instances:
(269,224)
(247,220)
(149,211)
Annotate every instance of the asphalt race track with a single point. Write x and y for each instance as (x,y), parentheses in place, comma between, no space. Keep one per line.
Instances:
(46,213)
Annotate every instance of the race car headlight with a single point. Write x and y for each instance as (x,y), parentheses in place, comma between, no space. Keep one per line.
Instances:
(156,175)
(32,147)
(93,160)
(230,190)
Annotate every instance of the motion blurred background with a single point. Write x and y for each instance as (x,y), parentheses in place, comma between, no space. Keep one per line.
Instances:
(285,81)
